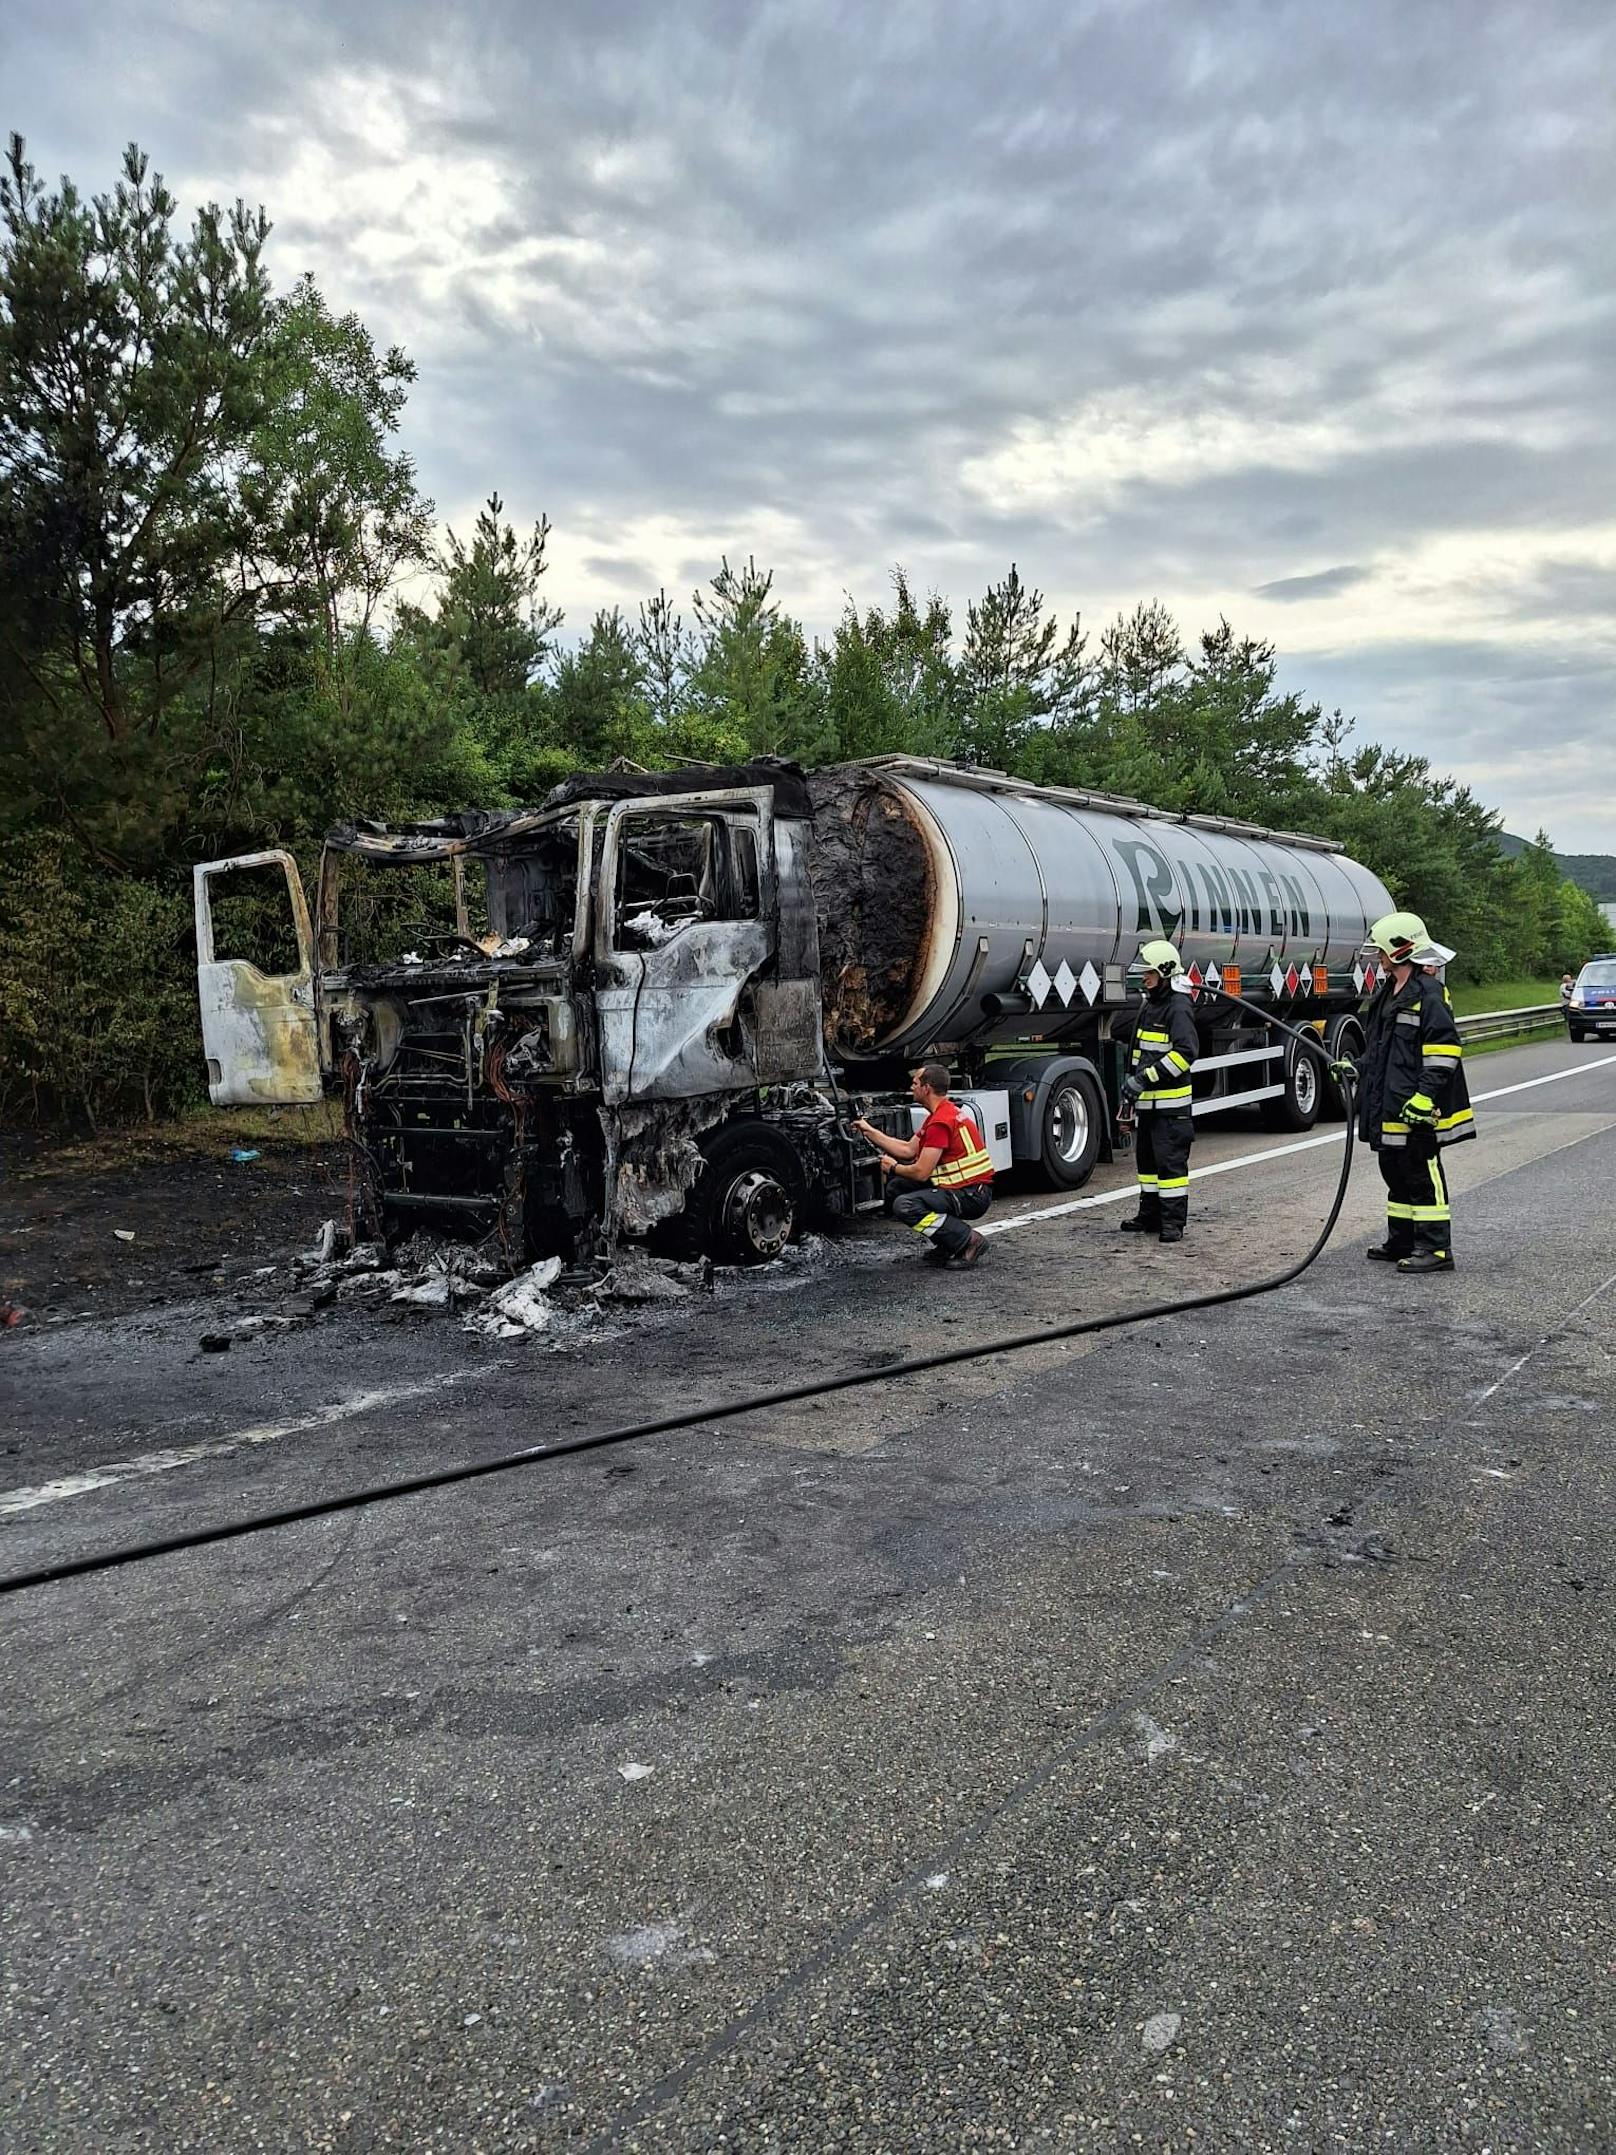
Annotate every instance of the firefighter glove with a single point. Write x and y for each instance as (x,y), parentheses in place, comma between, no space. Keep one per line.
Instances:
(1344,1071)
(1131,1089)
(1420,1109)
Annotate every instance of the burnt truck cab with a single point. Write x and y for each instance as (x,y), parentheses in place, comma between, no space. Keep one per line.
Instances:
(556,1025)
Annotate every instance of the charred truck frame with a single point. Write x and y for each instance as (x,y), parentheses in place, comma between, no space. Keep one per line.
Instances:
(646,1004)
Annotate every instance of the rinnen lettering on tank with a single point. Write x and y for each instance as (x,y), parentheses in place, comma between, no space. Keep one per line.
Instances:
(1151,873)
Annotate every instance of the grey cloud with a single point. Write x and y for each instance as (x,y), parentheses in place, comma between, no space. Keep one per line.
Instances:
(1323,585)
(619,569)
(816,258)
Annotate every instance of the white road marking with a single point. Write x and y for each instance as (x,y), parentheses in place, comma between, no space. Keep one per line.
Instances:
(1333,1136)
(1548,1339)
(1499,1092)
(14,1501)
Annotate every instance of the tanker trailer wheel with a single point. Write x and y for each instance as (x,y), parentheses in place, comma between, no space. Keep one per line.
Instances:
(748,1197)
(1297,1107)
(1069,1141)
(1342,1036)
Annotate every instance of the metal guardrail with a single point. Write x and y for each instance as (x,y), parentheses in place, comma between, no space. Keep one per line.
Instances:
(1495,1024)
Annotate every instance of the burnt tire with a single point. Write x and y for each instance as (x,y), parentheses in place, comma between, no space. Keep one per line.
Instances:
(748,1199)
(1070,1123)
(1297,1106)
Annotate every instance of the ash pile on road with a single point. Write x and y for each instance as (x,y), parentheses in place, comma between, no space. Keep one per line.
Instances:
(426,1277)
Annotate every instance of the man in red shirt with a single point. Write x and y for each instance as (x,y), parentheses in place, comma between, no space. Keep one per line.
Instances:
(949,1161)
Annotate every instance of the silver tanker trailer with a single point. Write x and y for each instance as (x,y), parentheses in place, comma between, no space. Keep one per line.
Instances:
(650,1004)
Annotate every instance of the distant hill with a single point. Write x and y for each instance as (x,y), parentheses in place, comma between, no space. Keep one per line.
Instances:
(1593,872)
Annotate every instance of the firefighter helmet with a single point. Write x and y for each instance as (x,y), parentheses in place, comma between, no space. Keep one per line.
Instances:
(1398,936)
(1160,957)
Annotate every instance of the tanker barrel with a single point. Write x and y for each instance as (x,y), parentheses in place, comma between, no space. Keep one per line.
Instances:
(937,889)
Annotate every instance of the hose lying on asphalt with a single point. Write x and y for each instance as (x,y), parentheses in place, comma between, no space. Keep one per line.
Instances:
(723,1411)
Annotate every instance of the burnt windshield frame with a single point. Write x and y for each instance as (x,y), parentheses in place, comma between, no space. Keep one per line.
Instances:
(414,849)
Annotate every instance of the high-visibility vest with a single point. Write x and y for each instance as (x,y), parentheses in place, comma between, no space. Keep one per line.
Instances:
(966,1158)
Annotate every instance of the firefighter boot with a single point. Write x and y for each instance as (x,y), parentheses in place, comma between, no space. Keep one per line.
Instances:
(1427,1261)
(1138,1225)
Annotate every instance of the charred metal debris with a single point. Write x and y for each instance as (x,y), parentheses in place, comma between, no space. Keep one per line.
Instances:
(426,1276)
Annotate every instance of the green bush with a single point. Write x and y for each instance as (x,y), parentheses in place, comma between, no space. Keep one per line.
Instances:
(98,1010)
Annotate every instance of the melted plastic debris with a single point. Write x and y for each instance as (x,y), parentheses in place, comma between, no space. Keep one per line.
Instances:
(442,1275)
(522,1304)
(432,1292)
(658,1157)
(652,929)
(636,1276)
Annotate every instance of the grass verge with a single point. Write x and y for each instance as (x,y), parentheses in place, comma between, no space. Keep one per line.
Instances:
(202,1133)
(1471,1002)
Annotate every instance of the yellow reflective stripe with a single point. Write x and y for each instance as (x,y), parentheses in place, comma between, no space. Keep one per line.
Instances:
(1174,1182)
(1160,1038)
(1155,1095)
(927,1221)
(974,1164)
(1399,1212)
(1179,1062)
(1147,1182)
(1452,1122)
(1430,1212)
(1399,1128)
(1455,1051)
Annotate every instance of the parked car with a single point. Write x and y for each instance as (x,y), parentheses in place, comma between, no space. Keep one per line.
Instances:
(1592,1008)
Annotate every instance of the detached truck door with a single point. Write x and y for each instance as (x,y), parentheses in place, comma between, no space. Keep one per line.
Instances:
(258,1028)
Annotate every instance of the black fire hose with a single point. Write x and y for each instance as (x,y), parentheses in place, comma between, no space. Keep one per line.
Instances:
(695,1417)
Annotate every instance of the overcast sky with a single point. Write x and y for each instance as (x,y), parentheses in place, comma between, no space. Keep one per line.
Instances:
(1301,314)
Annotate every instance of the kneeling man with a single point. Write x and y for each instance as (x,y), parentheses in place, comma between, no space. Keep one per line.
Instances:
(949,1163)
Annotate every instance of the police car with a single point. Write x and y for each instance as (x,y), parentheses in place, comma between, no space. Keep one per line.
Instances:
(1592,1008)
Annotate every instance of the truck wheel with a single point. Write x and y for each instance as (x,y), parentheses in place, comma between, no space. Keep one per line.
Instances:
(1343,1037)
(1297,1107)
(1069,1141)
(748,1199)
(1577,1034)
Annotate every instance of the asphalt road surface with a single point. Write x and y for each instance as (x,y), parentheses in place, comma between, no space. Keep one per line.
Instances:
(1194,1736)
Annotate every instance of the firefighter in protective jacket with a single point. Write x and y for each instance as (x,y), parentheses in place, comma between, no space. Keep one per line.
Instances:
(1412,1098)
(1156,1096)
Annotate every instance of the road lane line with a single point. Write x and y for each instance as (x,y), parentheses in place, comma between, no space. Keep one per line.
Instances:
(1499,1092)
(13,1502)
(1333,1136)
(1549,1339)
